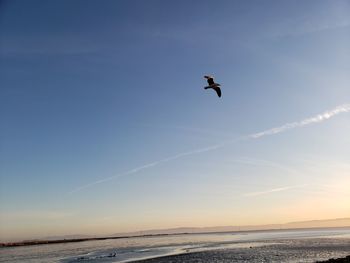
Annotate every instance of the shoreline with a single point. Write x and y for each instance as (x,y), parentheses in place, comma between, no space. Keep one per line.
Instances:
(74,240)
(172,257)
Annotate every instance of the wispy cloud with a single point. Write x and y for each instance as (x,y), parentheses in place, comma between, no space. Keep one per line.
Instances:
(280,189)
(316,119)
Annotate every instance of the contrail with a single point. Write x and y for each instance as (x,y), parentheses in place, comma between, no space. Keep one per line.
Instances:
(316,119)
(149,165)
(280,189)
(319,118)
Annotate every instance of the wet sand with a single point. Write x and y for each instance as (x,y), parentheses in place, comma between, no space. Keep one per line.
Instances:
(304,250)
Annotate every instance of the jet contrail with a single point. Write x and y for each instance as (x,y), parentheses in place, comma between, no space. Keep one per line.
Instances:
(316,119)
(280,189)
(319,118)
(146,166)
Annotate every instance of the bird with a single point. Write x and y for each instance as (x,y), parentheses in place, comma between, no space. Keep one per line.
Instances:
(213,85)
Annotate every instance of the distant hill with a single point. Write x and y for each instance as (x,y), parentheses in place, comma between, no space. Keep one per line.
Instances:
(338,222)
(320,223)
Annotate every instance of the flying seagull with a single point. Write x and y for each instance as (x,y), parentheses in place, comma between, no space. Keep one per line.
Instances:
(213,85)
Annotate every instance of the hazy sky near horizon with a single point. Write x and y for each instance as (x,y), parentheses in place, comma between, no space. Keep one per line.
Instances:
(92,90)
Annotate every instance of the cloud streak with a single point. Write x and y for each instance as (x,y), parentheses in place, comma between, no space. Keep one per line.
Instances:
(288,126)
(149,165)
(280,189)
(292,125)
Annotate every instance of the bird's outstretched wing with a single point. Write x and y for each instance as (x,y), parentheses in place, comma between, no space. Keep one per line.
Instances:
(218,91)
(210,80)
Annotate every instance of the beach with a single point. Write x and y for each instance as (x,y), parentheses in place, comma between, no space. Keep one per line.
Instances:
(289,250)
(290,246)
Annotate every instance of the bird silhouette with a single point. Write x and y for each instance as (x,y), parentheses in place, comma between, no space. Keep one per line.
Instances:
(213,85)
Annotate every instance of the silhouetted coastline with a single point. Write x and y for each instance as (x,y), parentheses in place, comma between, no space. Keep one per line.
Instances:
(47,242)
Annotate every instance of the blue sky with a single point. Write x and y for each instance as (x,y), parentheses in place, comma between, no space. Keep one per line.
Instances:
(94,89)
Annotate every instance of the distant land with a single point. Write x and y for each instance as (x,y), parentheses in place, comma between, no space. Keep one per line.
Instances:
(338,222)
(328,223)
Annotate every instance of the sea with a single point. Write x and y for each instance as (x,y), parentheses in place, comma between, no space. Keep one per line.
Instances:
(303,245)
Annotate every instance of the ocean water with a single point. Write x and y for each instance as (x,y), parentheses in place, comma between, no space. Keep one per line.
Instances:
(264,246)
